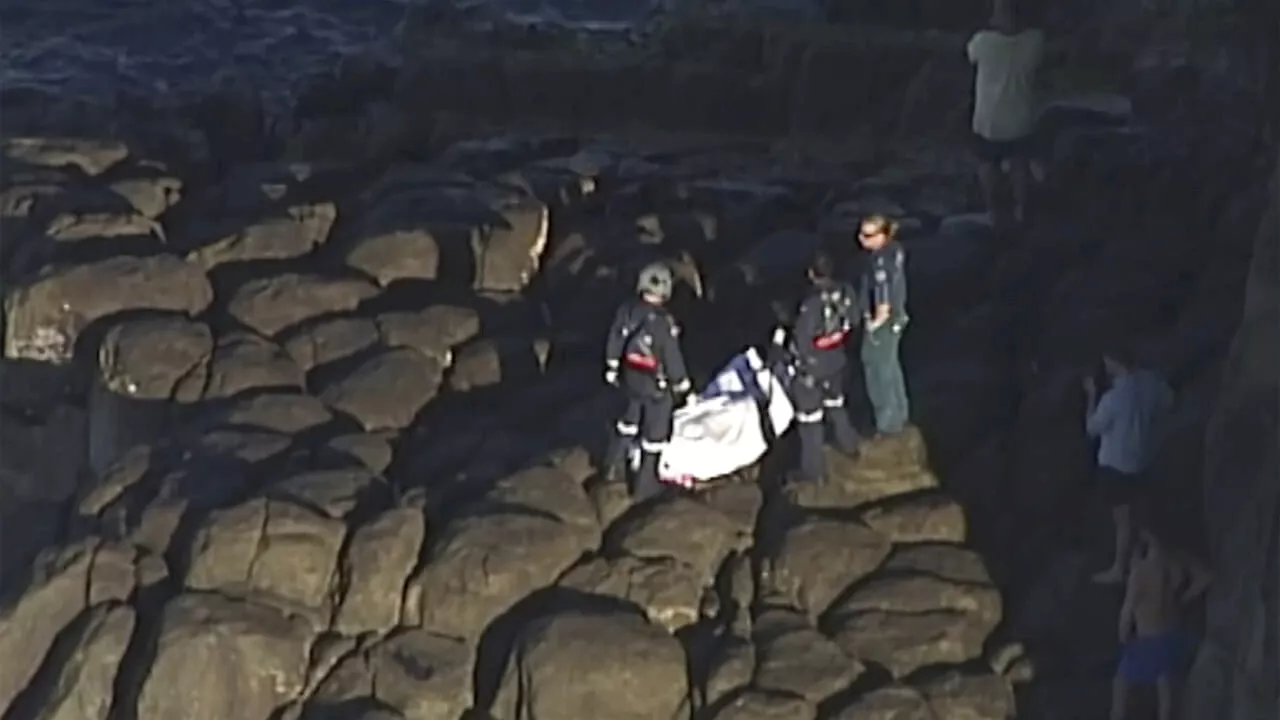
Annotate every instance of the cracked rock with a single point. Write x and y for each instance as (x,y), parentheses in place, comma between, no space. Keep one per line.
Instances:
(229,658)
(557,668)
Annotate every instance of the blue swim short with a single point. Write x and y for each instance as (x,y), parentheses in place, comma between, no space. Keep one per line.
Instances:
(1147,659)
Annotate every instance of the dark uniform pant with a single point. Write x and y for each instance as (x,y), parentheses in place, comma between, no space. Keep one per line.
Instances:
(886,387)
(819,402)
(647,419)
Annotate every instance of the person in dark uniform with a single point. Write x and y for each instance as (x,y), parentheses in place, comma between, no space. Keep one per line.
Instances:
(826,317)
(884,291)
(643,357)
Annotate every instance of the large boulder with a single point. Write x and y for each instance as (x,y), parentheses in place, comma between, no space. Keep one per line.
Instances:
(276,233)
(431,331)
(148,188)
(887,467)
(928,605)
(412,674)
(483,563)
(244,362)
(90,156)
(815,560)
(86,666)
(583,665)
(795,659)
(1232,678)
(384,389)
(922,517)
(158,358)
(488,238)
(760,705)
(230,658)
(273,303)
(328,339)
(377,560)
(146,368)
(684,529)
(485,362)
(44,318)
(66,583)
(669,591)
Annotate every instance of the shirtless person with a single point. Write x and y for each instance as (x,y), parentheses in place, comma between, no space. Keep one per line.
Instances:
(1157,588)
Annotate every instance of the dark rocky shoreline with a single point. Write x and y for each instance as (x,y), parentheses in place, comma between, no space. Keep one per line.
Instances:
(302,425)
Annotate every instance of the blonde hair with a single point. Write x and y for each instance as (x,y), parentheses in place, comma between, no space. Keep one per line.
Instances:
(883,222)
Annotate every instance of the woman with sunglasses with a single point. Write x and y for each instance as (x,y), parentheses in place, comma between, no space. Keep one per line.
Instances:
(884,292)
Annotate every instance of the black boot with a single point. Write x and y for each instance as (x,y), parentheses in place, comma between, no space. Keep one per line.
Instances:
(843,434)
(813,463)
(614,467)
(646,484)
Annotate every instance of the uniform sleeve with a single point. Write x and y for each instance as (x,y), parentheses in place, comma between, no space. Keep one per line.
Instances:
(617,340)
(805,331)
(852,305)
(898,285)
(670,355)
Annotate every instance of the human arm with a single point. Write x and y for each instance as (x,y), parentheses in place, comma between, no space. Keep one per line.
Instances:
(1198,579)
(667,343)
(1099,416)
(973,50)
(615,344)
(898,288)
(1124,627)
(805,330)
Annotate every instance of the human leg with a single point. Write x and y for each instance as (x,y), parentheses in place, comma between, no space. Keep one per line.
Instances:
(1164,698)
(989,176)
(624,436)
(1120,490)
(900,406)
(807,397)
(836,416)
(655,433)
(1115,573)
(1020,183)
(1119,696)
(885,386)
(871,376)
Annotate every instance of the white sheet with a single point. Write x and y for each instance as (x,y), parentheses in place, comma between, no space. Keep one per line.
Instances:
(719,431)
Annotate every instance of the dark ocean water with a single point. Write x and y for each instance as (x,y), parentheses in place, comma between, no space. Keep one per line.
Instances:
(149,48)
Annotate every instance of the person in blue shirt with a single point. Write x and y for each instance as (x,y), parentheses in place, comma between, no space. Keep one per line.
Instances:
(884,294)
(826,316)
(1124,421)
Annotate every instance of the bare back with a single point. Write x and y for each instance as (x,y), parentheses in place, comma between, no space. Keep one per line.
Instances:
(1153,590)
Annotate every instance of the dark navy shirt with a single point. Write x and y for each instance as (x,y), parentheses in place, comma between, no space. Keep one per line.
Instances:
(644,340)
(823,321)
(884,280)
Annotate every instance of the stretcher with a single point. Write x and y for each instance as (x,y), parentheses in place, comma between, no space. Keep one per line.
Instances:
(730,424)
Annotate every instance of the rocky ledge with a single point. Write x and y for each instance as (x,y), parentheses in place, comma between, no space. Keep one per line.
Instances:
(315,439)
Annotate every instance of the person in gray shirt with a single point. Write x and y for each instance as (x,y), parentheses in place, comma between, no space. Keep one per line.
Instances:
(1123,420)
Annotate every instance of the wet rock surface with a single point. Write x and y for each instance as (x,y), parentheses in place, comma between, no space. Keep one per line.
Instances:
(326,443)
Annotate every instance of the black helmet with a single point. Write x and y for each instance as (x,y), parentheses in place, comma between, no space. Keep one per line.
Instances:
(822,267)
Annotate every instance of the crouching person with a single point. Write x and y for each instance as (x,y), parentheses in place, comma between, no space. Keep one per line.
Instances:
(643,357)
(825,319)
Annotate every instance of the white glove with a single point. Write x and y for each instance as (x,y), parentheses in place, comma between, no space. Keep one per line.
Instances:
(779,336)
(611,376)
